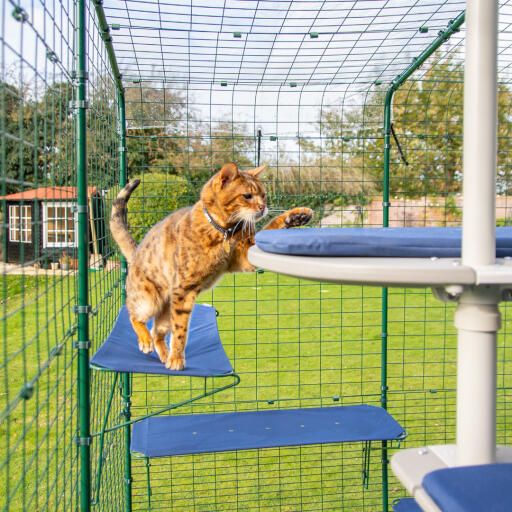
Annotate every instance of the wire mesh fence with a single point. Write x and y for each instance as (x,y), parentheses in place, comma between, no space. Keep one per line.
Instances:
(301,86)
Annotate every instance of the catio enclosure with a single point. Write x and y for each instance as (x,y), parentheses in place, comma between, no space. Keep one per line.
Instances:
(357,108)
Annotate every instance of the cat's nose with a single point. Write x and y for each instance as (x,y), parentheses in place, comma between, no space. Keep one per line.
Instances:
(261,207)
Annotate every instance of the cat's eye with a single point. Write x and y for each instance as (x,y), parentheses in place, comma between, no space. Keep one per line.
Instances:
(247,196)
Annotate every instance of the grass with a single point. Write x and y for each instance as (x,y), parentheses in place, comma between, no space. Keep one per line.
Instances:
(293,343)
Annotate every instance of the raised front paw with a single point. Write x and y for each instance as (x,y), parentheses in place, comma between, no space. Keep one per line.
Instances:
(298,217)
(175,363)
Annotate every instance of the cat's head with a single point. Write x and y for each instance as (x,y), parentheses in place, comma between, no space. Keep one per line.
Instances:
(236,195)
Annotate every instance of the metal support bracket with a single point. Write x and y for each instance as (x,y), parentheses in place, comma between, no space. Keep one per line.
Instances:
(81,310)
(366,463)
(82,345)
(80,208)
(83,441)
(105,35)
(84,75)
(450,293)
(76,104)
(19,14)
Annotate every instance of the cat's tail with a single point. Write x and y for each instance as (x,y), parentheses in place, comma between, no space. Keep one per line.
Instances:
(118,226)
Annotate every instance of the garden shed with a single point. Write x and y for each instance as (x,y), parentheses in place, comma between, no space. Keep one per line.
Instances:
(41,224)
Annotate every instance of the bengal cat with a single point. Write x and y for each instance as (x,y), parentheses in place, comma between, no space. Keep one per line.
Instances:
(188,251)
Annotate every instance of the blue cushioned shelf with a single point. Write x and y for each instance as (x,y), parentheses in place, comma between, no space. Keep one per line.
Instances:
(204,353)
(471,488)
(374,242)
(202,433)
(406,505)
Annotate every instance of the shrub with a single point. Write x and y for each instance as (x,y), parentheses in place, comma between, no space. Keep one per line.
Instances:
(157,196)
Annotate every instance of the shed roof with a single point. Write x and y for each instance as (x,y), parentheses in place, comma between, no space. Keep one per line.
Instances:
(48,194)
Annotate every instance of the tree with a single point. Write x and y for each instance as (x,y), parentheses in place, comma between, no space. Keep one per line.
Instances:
(427,118)
(54,121)
(21,140)
(165,136)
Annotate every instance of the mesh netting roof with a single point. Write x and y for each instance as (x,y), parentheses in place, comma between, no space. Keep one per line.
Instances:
(277,43)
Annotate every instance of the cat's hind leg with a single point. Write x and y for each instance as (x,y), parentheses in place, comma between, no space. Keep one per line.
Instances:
(161,327)
(143,335)
(143,301)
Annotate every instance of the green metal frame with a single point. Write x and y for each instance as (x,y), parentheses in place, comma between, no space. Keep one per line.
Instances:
(85,436)
(126,392)
(443,36)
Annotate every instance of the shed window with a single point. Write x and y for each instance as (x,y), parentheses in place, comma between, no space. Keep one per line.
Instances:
(20,223)
(59,225)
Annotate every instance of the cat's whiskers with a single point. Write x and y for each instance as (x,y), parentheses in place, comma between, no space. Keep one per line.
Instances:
(248,221)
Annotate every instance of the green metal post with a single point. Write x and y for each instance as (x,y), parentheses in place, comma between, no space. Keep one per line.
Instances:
(126,393)
(126,378)
(105,35)
(384,388)
(83,259)
(443,36)
(384,300)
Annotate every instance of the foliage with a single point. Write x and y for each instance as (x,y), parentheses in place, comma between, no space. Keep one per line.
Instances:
(157,196)
(45,125)
(500,223)
(21,159)
(428,122)
(165,136)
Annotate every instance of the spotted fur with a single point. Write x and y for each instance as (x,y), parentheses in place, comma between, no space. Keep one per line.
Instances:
(185,254)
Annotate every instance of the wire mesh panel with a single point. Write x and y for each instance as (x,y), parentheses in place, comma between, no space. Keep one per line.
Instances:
(173,91)
(40,243)
(38,464)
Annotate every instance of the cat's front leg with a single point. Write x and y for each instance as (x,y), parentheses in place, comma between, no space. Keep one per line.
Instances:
(292,218)
(182,304)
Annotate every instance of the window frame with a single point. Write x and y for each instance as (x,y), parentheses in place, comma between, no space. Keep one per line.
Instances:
(46,218)
(22,233)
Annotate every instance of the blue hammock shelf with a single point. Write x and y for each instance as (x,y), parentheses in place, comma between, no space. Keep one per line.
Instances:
(158,435)
(204,353)
(207,433)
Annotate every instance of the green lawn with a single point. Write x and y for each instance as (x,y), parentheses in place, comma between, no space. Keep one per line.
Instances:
(293,343)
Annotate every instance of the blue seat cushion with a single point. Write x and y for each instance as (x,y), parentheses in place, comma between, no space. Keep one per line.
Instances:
(162,436)
(374,242)
(204,353)
(471,488)
(406,505)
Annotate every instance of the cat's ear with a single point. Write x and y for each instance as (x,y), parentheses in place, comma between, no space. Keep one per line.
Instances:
(228,172)
(258,170)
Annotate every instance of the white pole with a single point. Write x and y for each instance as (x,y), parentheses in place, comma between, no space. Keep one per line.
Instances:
(477,316)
